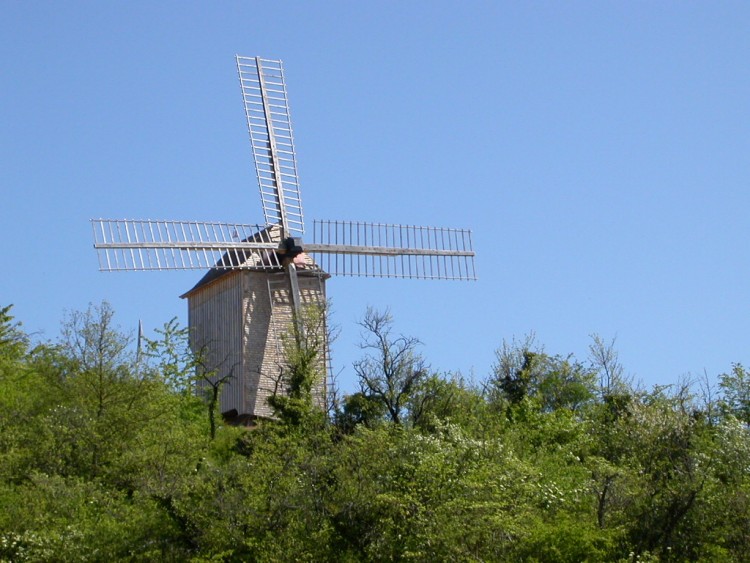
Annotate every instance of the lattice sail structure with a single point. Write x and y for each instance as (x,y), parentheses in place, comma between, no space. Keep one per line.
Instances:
(271,141)
(124,244)
(344,248)
(349,248)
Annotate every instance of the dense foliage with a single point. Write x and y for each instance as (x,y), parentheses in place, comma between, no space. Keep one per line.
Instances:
(108,454)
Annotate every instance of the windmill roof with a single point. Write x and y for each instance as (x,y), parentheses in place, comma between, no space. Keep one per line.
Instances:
(252,260)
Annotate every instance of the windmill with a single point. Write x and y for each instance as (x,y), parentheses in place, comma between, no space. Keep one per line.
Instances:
(261,276)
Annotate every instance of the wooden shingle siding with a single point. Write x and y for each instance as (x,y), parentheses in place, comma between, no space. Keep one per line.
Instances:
(215,319)
(240,319)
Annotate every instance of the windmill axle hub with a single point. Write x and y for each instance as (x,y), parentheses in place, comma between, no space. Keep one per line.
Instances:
(291,247)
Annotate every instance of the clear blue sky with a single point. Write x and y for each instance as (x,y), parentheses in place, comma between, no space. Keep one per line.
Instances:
(598,151)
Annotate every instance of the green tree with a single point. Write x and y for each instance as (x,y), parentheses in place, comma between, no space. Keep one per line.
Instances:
(95,450)
(447,399)
(670,452)
(391,369)
(22,396)
(170,359)
(736,389)
(605,362)
(359,408)
(13,340)
(522,370)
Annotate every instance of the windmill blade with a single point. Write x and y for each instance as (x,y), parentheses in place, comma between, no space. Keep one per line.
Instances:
(124,244)
(350,248)
(272,142)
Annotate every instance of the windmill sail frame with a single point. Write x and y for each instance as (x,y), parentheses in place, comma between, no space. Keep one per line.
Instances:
(272,141)
(225,309)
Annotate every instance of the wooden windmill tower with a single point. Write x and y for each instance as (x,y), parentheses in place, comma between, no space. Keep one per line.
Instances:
(260,277)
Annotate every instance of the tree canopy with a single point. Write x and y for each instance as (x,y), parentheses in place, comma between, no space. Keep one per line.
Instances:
(107,454)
